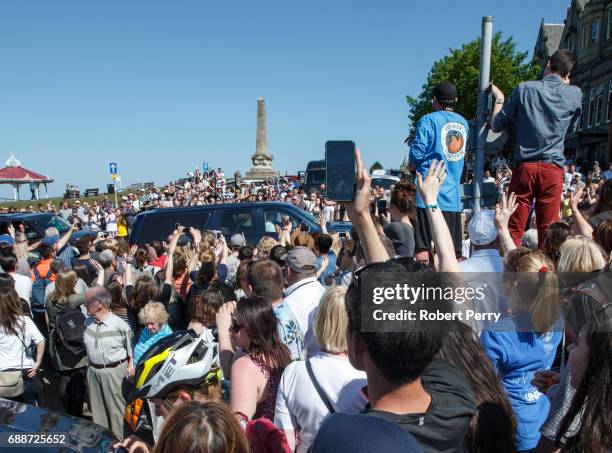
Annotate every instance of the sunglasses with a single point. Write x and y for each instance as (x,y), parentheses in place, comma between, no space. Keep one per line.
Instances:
(235,327)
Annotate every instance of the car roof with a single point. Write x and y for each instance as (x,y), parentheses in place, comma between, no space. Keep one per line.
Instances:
(26,215)
(211,207)
(385,177)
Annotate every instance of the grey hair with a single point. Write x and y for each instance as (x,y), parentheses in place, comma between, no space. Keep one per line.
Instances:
(104,297)
(530,239)
(51,231)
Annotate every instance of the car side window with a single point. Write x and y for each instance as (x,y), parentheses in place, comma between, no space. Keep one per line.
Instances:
(236,222)
(272,218)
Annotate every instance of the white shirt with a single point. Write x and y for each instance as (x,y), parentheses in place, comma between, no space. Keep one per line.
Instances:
(303,299)
(11,346)
(485,260)
(328,213)
(489,179)
(111,223)
(79,288)
(484,270)
(299,406)
(23,286)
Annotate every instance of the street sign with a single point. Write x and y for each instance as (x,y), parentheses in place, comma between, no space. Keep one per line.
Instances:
(112,167)
(204,167)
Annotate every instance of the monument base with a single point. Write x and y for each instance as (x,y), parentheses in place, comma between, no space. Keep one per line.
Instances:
(260,174)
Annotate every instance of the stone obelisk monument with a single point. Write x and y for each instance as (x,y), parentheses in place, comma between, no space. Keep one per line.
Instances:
(262,159)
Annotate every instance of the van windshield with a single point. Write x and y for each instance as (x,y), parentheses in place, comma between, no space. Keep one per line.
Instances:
(315,177)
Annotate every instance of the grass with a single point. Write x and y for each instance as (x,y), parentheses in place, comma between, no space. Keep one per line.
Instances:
(23,204)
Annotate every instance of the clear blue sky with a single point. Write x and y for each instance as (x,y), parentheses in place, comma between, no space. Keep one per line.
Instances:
(159,86)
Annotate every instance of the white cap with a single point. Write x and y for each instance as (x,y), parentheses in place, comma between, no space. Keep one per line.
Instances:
(481,228)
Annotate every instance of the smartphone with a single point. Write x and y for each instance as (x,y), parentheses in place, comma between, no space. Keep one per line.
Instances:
(176,226)
(342,234)
(382,205)
(340,170)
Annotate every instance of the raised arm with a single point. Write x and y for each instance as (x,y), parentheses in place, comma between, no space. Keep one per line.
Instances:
(66,237)
(359,214)
(226,349)
(503,212)
(429,189)
(581,225)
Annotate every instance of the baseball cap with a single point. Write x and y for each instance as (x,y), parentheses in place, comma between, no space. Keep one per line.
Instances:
(7,238)
(360,433)
(51,240)
(482,227)
(300,259)
(237,240)
(445,91)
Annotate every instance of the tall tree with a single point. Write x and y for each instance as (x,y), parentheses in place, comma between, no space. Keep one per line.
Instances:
(462,67)
(376,166)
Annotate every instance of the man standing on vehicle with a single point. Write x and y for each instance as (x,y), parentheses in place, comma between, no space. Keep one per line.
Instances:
(441,135)
(543,111)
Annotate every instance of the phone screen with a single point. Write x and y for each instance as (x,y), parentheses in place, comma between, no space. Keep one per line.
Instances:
(340,170)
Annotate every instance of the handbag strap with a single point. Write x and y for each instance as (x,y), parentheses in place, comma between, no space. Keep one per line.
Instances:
(318,388)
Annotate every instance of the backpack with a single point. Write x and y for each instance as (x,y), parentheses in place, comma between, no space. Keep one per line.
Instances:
(38,290)
(69,330)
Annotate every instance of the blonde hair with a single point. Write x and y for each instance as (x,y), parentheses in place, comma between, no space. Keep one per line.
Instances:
(264,246)
(110,244)
(580,254)
(530,280)
(65,281)
(153,312)
(331,321)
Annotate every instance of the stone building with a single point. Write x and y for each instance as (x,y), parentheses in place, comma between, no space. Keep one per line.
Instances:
(547,43)
(588,33)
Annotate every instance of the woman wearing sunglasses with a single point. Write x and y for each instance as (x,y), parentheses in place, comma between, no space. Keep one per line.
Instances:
(257,368)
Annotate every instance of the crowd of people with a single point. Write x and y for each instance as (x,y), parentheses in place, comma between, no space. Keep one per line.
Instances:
(211,344)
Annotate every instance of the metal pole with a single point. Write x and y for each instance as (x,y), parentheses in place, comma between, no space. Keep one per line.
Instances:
(481,109)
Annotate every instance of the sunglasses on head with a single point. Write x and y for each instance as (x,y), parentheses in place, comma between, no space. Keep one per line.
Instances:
(236,326)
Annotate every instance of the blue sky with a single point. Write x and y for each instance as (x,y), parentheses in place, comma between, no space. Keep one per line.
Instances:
(160,86)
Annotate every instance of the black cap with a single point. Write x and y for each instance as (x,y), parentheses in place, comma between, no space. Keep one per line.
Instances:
(445,92)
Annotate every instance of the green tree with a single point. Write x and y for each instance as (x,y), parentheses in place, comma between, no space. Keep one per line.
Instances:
(376,166)
(462,68)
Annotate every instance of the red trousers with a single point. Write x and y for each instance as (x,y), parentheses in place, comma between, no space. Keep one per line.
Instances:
(542,182)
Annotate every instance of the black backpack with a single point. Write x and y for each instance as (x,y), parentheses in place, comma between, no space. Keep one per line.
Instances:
(69,330)
(38,289)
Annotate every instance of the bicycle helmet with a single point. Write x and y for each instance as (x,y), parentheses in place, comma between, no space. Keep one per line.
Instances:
(178,359)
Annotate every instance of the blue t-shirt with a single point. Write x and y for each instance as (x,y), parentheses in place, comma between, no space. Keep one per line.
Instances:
(517,354)
(331,266)
(289,332)
(439,136)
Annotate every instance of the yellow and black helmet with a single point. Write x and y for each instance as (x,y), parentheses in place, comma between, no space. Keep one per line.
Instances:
(181,358)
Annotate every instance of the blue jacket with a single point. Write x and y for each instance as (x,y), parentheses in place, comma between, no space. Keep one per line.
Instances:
(544,111)
(439,136)
(517,353)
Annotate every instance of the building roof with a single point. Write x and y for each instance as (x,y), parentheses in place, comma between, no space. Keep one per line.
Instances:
(551,34)
(14,173)
(581,4)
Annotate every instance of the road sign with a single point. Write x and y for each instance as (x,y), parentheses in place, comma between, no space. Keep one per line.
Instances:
(204,167)
(112,167)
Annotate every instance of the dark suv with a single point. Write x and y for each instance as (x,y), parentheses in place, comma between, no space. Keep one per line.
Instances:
(36,224)
(254,220)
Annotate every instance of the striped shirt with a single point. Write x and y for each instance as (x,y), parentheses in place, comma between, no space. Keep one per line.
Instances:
(108,341)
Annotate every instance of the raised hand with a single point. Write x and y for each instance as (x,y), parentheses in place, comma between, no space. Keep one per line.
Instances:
(430,186)
(359,207)
(504,210)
